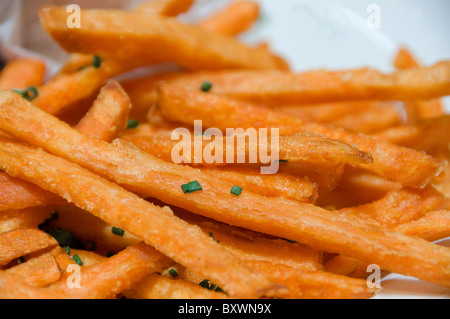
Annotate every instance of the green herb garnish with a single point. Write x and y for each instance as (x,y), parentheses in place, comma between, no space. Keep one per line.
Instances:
(132,124)
(117,231)
(236,190)
(29,93)
(77,259)
(206,86)
(96,61)
(191,187)
(212,236)
(172,272)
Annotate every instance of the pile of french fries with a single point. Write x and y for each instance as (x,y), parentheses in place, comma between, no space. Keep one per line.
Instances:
(89,190)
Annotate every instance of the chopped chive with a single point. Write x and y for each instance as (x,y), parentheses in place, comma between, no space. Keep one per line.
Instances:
(29,93)
(236,190)
(191,187)
(172,272)
(64,237)
(77,260)
(283,160)
(81,68)
(132,124)
(67,249)
(96,61)
(204,283)
(212,236)
(206,86)
(117,231)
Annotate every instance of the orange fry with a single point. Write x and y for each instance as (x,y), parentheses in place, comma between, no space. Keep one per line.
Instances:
(19,242)
(308,284)
(176,42)
(160,287)
(275,88)
(22,73)
(238,17)
(405,60)
(397,207)
(108,115)
(433,226)
(170,8)
(406,166)
(23,218)
(39,271)
(138,170)
(428,135)
(18,194)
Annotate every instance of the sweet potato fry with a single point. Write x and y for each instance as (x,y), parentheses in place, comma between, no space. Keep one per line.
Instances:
(238,17)
(39,271)
(108,115)
(92,229)
(189,46)
(159,287)
(19,194)
(308,284)
(20,242)
(22,73)
(406,166)
(433,226)
(158,227)
(397,207)
(138,171)
(64,90)
(428,135)
(169,8)
(405,60)
(23,218)
(258,248)
(303,148)
(275,88)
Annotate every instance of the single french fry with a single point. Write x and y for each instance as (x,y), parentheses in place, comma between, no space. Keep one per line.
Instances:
(157,226)
(19,194)
(433,226)
(64,90)
(258,248)
(189,46)
(39,271)
(308,284)
(399,164)
(102,280)
(372,120)
(159,287)
(23,218)
(236,18)
(356,187)
(424,109)
(19,242)
(91,228)
(273,185)
(108,115)
(170,8)
(138,170)
(275,88)
(428,135)
(397,207)
(303,148)
(330,112)
(22,73)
